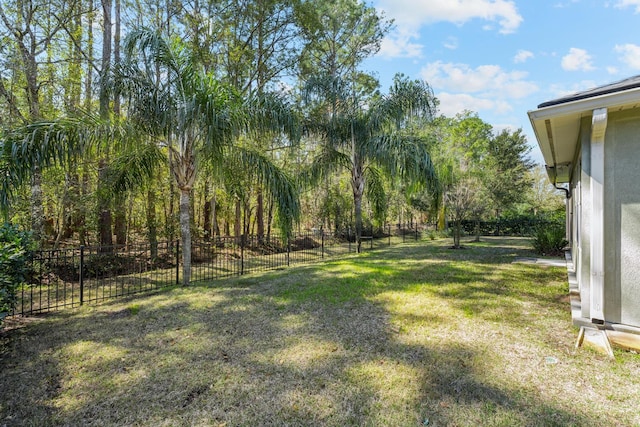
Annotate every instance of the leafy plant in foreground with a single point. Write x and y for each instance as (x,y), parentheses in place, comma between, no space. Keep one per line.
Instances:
(550,240)
(15,252)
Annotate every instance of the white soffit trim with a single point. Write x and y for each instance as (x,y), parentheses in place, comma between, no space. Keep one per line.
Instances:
(612,101)
(557,127)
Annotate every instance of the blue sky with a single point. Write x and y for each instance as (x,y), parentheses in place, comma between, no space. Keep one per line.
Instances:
(502,58)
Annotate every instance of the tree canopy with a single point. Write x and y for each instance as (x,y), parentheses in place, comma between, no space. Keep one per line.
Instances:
(151,120)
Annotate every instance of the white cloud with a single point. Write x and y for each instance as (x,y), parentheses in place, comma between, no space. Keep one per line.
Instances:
(487,79)
(522,56)
(485,88)
(577,60)
(416,13)
(563,5)
(612,70)
(454,103)
(410,16)
(400,45)
(625,3)
(630,54)
(451,43)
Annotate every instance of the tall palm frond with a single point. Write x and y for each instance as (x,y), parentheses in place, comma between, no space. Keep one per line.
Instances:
(41,145)
(376,193)
(405,157)
(407,99)
(325,163)
(135,166)
(281,186)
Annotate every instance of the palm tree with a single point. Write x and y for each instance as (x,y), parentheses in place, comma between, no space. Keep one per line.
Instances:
(197,119)
(175,112)
(371,138)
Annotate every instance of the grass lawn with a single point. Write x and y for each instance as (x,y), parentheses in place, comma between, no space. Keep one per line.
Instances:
(410,335)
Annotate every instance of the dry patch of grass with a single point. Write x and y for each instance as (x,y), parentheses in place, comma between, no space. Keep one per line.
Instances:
(409,335)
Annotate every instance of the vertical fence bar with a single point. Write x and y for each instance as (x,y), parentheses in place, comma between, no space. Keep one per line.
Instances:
(81,274)
(349,237)
(322,233)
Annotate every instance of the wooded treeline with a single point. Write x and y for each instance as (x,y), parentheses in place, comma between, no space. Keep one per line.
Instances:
(129,120)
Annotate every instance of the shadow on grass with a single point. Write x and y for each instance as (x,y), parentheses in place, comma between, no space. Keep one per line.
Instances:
(310,346)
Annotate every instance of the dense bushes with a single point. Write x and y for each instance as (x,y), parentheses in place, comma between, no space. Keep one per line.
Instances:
(15,252)
(547,230)
(550,240)
(513,225)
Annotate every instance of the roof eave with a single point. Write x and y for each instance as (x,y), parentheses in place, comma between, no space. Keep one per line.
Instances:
(543,119)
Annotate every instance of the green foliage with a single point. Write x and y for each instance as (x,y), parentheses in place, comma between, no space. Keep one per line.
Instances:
(515,224)
(550,240)
(508,178)
(15,251)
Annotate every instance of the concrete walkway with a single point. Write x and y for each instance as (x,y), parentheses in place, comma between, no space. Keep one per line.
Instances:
(553,262)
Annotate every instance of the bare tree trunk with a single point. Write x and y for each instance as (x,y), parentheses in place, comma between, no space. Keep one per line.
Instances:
(185,233)
(269,218)
(214,215)
(116,56)
(357,183)
(69,205)
(37,207)
(106,57)
(456,234)
(104,213)
(260,215)
(104,209)
(237,226)
(120,220)
(88,83)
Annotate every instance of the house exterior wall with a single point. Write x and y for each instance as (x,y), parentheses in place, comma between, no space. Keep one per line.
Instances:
(622,218)
(583,265)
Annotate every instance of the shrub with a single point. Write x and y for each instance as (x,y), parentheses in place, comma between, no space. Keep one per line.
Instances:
(549,240)
(15,252)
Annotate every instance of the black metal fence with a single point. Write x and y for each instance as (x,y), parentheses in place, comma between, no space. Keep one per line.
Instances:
(70,277)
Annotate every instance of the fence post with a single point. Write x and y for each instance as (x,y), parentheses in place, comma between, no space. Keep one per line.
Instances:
(349,237)
(322,234)
(177,261)
(81,274)
(416,232)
